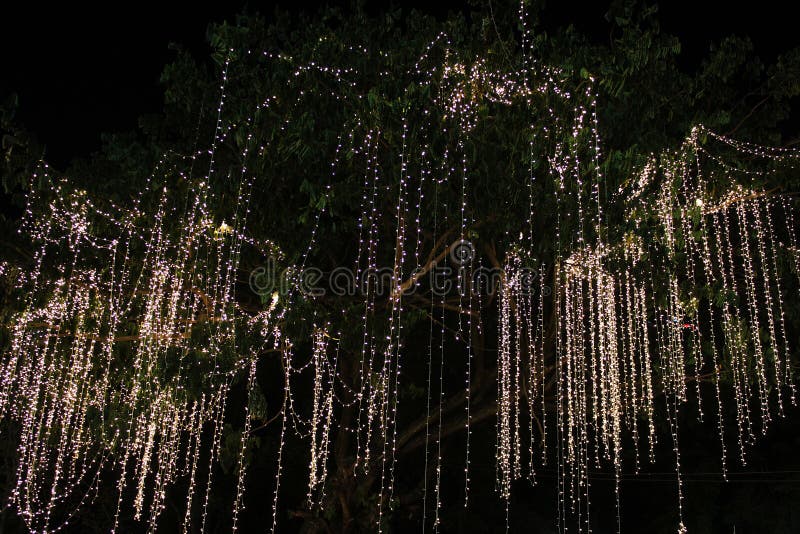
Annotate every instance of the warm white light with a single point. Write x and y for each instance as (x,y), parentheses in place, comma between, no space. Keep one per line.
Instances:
(631,329)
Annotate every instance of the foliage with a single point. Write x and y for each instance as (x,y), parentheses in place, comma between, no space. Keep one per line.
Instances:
(646,101)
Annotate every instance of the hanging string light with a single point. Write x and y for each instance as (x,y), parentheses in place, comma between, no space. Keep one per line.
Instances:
(125,308)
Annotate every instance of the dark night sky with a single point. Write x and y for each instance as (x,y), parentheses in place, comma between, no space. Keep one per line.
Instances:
(81,71)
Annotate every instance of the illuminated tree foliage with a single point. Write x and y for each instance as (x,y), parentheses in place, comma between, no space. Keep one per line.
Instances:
(369,273)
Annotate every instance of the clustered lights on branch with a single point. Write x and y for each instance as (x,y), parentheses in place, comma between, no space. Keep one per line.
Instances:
(126,345)
(636,324)
(119,322)
(120,319)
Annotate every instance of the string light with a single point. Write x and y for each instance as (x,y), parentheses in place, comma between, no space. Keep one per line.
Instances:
(124,305)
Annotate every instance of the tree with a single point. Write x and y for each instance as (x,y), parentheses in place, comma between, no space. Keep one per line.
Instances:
(413,144)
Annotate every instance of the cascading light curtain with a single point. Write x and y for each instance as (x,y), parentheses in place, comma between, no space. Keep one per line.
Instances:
(131,332)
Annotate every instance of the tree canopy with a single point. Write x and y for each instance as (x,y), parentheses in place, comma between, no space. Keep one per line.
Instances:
(184,348)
